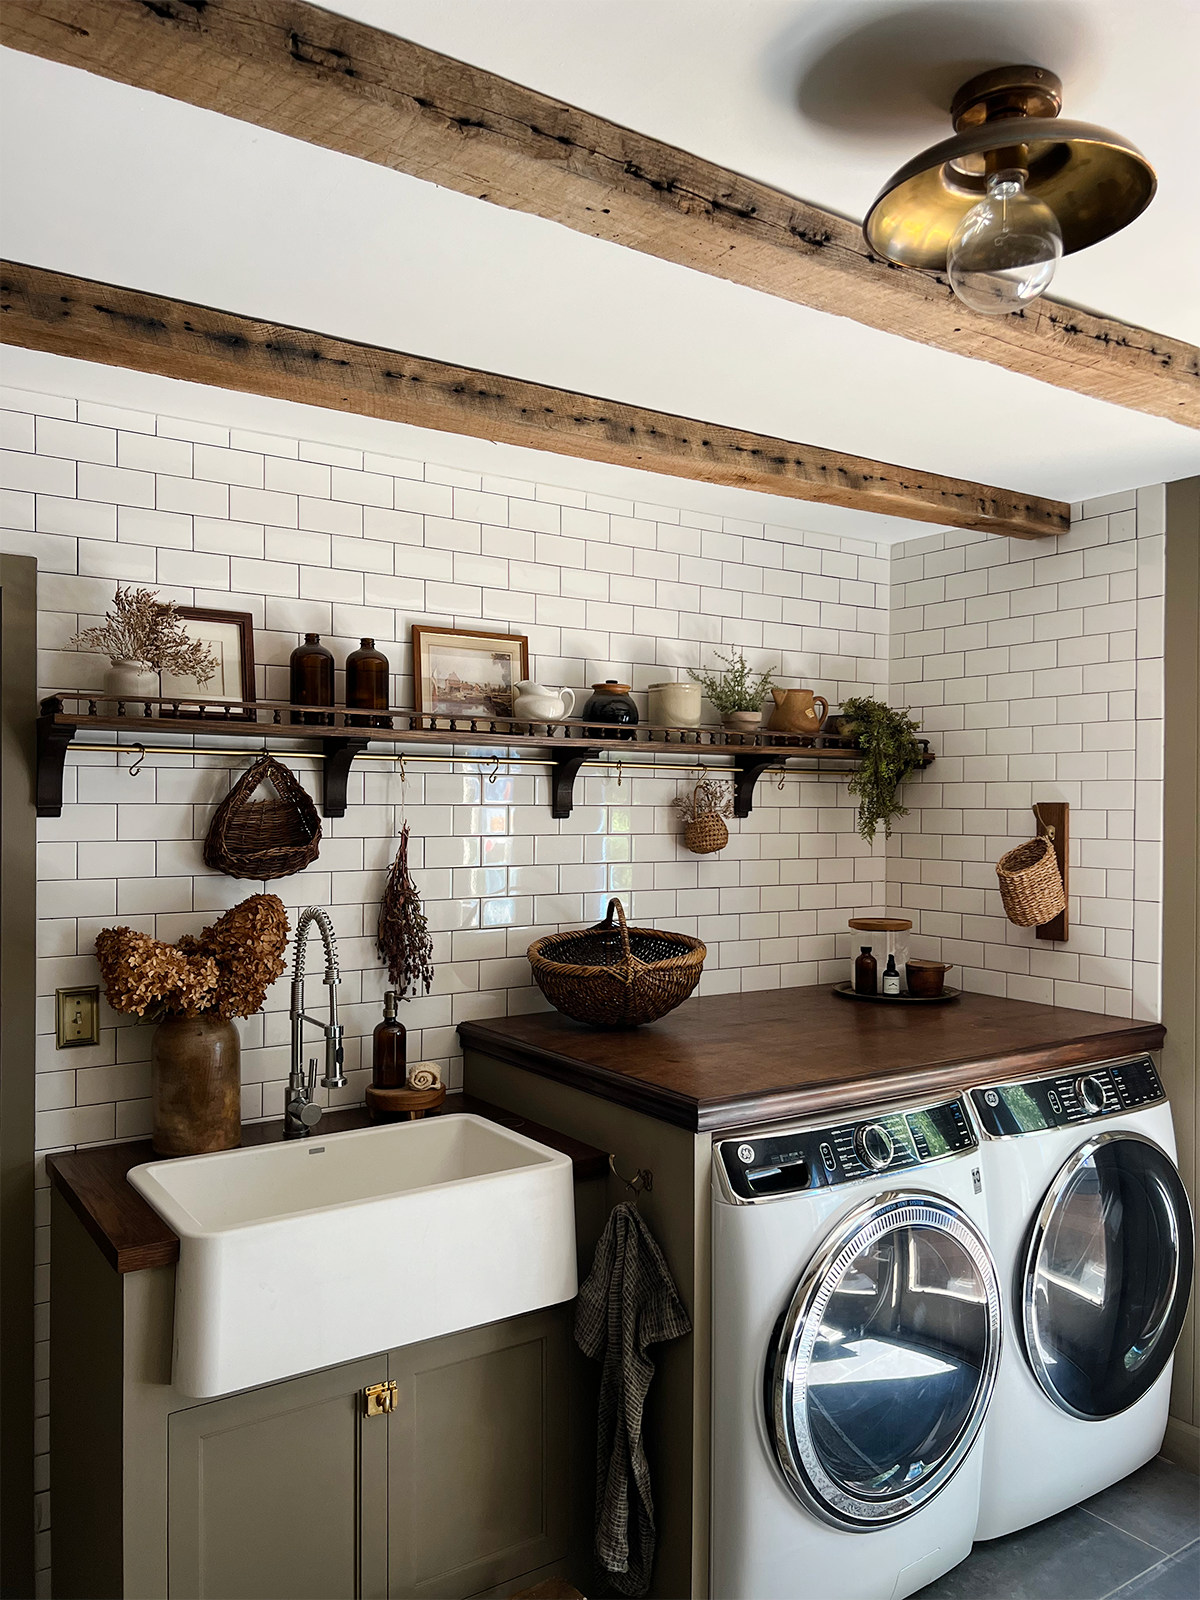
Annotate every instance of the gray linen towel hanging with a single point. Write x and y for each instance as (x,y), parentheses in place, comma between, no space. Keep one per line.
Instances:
(628,1303)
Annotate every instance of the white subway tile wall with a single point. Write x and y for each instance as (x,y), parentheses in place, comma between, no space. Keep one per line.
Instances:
(1037,669)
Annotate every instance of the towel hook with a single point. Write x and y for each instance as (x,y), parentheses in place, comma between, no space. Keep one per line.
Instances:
(1047,828)
(495,772)
(136,766)
(642,1181)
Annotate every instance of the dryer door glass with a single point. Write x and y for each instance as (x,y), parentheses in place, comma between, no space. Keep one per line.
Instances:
(1107,1275)
(885,1360)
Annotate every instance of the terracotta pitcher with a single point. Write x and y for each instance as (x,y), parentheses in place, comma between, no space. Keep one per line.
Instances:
(796,712)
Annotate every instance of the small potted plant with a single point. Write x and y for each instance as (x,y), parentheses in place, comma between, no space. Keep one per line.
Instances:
(890,754)
(142,637)
(735,691)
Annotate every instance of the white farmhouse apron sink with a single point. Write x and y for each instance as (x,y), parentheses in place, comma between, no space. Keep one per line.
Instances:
(299,1255)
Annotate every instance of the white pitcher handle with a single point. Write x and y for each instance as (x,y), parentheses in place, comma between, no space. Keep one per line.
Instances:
(568,709)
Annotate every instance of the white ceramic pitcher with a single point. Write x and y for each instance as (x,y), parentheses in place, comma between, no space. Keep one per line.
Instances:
(536,703)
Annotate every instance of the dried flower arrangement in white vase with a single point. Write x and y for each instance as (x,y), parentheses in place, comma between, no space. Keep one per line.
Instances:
(142,637)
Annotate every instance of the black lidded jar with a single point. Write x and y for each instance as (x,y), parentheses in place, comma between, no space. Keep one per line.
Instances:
(312,678)
(610,704)
(367,679)
(389,1048)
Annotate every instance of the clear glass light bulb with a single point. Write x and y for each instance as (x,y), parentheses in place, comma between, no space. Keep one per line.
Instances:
(1004,252)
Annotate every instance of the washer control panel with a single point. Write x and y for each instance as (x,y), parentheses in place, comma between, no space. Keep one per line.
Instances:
(1005,1109)
(760,1166)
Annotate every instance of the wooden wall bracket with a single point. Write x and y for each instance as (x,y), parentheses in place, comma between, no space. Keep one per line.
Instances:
(339,758)
(566,768)
(747,770)
(1053,819)
(53,742)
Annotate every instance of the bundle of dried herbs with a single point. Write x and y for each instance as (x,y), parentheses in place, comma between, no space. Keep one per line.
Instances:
(404,941)
(142,628)
(226,970)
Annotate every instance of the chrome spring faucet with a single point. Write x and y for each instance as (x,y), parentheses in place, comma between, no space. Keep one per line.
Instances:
(301,1113)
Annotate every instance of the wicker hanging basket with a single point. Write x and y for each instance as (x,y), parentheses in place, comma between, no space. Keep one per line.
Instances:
(706,832)
(264,838)
(1031,885)
(616,977)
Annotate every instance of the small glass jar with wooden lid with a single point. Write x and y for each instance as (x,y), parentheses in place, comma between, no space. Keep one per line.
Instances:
(890,940)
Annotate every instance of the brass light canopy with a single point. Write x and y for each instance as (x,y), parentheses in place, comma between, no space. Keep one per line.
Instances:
(1094,181)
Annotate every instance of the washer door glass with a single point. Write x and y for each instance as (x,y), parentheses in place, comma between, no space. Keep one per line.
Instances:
(885,1360)
(1108,1272)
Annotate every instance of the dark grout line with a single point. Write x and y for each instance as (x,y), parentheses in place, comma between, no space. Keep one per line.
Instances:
(1138,1576)
(1157,1548)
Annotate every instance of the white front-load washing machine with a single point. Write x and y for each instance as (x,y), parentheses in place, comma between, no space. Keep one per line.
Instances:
(1091,1231)
(856,1336)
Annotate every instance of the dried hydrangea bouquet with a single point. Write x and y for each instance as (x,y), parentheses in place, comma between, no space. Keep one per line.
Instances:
(142,636)
(195,988)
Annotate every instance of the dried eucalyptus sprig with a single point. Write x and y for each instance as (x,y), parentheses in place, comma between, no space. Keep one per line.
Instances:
(736,687)
(404,941)
(710,797)
(141,627)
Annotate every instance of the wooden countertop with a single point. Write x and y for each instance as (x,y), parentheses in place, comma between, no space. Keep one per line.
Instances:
(133,1236)
(731,1061)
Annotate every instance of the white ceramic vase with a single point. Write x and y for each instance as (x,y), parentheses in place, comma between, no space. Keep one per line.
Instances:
(129,680)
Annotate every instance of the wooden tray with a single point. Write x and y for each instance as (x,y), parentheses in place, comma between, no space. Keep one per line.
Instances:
(398,1105)
(847,991)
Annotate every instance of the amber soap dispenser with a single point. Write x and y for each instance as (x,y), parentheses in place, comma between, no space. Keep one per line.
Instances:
(389,1065)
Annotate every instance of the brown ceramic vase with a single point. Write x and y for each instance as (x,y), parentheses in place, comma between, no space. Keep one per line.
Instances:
(196,1086)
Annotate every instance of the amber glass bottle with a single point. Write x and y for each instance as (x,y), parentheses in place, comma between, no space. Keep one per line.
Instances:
(866,970)
(312,678)
(367,677)
(389,1065)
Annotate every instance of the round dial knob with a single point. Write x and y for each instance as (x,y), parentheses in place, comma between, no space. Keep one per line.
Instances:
(310,1115)
(874,1145)
(1091,1093)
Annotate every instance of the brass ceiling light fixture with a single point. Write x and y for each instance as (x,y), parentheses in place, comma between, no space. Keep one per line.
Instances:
(1016,189)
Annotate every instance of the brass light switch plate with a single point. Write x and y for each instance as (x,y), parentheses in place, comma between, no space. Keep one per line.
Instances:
(78,1014)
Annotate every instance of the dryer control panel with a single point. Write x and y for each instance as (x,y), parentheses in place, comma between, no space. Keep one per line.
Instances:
(763,1166)
(1005,1109)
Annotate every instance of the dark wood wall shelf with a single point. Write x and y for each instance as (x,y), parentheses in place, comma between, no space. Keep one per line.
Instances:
(341,735)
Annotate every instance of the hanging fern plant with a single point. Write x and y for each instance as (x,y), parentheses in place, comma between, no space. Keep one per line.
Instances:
(890,755)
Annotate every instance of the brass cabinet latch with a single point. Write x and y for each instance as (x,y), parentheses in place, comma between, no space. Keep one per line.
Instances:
(379,1398)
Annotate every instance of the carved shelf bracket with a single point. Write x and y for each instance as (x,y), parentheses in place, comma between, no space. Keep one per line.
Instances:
(566,767)
(339,758)
(53,741)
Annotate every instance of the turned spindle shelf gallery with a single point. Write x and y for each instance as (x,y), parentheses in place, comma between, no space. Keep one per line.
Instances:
(340,735)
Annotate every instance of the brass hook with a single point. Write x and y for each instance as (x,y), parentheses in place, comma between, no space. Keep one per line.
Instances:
(136,767)
(620,781)
(1047,828)
(495,772)
(642,1181)
(782,776)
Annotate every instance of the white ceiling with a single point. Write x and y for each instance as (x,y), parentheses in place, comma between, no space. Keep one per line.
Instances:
(112,183)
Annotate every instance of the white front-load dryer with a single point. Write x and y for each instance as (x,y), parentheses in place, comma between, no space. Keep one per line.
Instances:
(856,1336)
(1091,1231)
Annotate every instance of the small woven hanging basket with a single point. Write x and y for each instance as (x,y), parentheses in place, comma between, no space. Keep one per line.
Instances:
(706,832)
(269,838)
(1031,885)
(616,977)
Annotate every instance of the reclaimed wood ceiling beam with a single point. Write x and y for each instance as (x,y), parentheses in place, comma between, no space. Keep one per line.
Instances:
(338,83)
(68,316)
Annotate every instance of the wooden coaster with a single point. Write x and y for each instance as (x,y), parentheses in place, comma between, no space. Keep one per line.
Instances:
(400,1105)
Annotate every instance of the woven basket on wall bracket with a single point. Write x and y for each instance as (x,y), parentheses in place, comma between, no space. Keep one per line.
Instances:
(1031,885)
(706,832)
(269,838)
(616,977)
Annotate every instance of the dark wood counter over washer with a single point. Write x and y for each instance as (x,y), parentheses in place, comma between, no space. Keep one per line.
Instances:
(727,1061)
(655,1096)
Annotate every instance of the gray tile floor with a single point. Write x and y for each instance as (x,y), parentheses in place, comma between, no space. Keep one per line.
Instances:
(1139,1540)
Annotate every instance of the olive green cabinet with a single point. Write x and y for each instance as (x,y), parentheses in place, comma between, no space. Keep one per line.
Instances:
(445,1470)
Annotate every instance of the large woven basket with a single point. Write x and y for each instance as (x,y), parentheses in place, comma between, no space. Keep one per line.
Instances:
(616,976)
(1031,885)
(264,838)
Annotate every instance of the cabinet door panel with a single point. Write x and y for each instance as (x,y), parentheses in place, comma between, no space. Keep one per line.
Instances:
(280,1493)
(477,1457)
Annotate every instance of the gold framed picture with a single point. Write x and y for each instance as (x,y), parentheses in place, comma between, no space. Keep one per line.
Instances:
(462,673)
